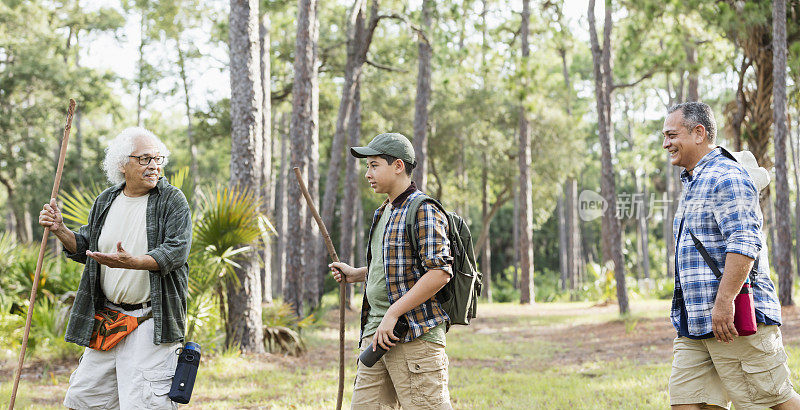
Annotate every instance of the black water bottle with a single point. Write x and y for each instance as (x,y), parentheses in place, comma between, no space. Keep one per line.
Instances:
(185,373)
(369,357)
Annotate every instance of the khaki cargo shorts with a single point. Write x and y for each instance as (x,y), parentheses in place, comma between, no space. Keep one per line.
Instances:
(751,371)
(134,374)
(412,375)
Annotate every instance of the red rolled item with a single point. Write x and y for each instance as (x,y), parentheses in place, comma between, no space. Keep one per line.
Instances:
(744,316)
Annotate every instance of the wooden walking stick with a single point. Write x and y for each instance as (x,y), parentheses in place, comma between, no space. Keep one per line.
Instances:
(342,284)
(42,249)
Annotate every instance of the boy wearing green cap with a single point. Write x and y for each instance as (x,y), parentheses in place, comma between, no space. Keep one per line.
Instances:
(401,284)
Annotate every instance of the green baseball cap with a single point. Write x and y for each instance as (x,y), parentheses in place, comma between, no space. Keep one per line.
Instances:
(390,143)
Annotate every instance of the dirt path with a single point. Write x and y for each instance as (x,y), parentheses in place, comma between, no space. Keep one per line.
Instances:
(579,334)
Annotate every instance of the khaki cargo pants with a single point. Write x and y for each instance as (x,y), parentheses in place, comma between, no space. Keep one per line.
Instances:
(412,375)
(751,371)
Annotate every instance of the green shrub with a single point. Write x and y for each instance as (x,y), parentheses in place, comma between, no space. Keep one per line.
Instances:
(503,289)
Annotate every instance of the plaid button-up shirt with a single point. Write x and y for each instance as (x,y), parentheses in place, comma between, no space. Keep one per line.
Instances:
(720,206)
(169,237)
(403,269)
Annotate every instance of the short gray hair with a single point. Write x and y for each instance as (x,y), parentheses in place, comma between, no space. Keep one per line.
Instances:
(697,113)
(121,146)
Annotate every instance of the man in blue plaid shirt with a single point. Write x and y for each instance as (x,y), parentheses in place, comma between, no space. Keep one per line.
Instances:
(712,364)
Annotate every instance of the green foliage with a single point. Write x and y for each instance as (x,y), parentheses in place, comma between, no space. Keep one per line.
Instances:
(503,289)
(229,220)
(282,329)
(76,204)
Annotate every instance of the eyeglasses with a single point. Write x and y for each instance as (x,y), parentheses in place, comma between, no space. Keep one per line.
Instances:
(145,159)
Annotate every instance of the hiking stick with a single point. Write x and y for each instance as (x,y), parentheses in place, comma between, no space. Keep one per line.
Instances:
(42,249)
(342,284)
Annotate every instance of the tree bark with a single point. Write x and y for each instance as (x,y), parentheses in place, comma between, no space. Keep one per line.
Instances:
(486,250)
(574,258)
(423,96)
(140,79)
(562,239)
(515,233)
(693,92)
(796,167)
(359,38)
(611,231)
(351,195)
(194,169)
(302,131)
(244,300)
(574,254)
(352,72)
(266,164)
(644,235)
(279,268)
(525,220)
(313,239)
(783,245)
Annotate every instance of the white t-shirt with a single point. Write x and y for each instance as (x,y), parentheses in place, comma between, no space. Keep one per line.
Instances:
(126,222)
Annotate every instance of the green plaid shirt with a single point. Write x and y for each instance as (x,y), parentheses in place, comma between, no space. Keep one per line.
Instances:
(169,237)
(403,269)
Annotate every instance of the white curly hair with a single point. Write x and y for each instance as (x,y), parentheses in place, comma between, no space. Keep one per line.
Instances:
(123,145)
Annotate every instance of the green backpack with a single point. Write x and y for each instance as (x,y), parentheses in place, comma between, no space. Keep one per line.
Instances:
(459,297)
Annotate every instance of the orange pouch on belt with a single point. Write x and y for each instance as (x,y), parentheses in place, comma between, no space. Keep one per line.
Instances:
(110,327)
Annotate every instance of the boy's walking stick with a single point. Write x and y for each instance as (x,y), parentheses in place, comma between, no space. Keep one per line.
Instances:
(342,284)
(42,249)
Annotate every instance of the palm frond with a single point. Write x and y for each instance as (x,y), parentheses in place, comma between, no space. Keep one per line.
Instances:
(229,220)
(77,202)
(179,178)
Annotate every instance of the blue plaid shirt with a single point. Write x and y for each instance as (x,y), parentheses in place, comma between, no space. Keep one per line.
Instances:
(719,204)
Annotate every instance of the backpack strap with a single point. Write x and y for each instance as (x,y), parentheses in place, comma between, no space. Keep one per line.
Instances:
(713,265)
(411,220)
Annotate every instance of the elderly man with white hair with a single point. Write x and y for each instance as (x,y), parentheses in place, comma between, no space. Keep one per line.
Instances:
(135,248)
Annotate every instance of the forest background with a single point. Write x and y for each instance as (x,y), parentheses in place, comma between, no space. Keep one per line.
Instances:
(524,114)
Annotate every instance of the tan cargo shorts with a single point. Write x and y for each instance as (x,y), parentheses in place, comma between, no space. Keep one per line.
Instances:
(134,374)
(412,375)
(751,371)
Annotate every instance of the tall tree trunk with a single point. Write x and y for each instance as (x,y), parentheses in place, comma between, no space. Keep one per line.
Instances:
(486,250)
(611,231)
(740,107)
(78,116)
(279,268)
(140,80)
(244,300)
(267,206)
(669,214)
(562,239)
(423,96)
(515,233)
(17,215)
(574,255)
(351,195)
(313,240)
(796,167)
(644,236)
(303,129)
(693,92)
(359,38)
(783,245)
(757,47)
(352,73)
(462,179)
(525,220)
(194,169)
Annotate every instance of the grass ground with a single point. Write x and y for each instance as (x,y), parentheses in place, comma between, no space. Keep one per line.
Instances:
(553,356)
